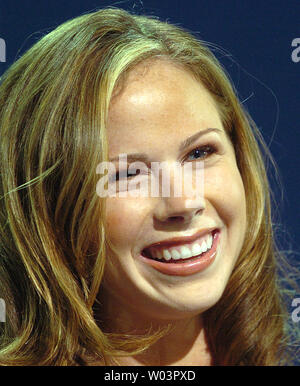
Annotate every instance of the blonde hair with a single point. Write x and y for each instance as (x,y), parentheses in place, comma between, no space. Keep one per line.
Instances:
(54,104)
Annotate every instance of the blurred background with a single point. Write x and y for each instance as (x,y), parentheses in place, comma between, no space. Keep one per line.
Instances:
(259,46)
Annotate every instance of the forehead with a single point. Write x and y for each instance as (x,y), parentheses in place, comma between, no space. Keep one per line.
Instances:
(159,100)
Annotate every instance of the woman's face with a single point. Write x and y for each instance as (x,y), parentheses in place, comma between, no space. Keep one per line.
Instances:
(156,111)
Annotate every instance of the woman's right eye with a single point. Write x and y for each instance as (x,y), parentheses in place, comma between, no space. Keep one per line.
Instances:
(125,174)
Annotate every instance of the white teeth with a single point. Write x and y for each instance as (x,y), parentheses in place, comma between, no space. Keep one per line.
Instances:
(166,254)
(204,247)
(196,249)
(186,251)
(175,254)
(209,241)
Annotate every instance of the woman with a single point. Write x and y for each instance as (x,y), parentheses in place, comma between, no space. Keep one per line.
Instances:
(96,280)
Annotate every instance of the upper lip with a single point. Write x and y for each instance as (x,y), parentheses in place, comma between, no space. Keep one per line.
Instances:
(181,240)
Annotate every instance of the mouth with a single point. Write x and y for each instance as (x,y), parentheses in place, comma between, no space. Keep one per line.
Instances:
(183,256)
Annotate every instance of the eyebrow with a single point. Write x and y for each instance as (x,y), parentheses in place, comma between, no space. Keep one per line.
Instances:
(142,157)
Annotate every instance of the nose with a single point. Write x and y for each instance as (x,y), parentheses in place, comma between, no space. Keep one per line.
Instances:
(178,209)
(187,202)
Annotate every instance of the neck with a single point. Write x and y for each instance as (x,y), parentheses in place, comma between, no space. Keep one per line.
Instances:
(183,345)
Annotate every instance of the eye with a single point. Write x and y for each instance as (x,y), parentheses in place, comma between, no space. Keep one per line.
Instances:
(202,152)
(125,174)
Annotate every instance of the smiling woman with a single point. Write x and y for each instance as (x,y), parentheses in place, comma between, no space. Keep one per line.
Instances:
(145,117)
(133,280)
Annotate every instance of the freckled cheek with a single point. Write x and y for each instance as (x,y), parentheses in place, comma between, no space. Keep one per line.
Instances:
(124,217)
(224,189)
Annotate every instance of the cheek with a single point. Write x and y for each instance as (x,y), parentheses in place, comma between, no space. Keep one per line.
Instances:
(124,218)
(225,191)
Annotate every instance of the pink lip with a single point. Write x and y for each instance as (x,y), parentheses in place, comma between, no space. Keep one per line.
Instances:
(188,267)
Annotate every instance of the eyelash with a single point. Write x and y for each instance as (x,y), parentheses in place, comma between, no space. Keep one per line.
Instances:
(210,149)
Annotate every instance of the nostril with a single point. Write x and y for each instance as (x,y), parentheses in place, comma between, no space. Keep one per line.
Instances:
(176,218)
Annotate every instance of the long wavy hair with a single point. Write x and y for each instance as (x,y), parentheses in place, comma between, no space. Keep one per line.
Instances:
(54,104)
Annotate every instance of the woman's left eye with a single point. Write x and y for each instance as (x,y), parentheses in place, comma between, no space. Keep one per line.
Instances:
(202,152)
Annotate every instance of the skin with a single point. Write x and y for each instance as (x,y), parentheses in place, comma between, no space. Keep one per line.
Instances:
(158,107)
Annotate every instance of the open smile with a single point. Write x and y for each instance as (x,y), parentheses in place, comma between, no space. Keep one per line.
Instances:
(183,257)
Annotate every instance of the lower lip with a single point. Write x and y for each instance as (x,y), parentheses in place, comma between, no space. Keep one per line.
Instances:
(188,267)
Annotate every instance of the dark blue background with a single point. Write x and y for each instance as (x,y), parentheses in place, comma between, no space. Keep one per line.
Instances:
(257,36)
